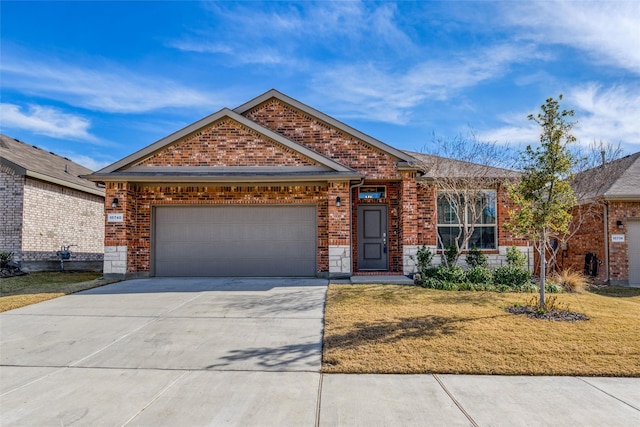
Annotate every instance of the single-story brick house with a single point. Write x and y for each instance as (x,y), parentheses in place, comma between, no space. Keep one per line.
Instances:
(274,188)
(611,229)
(44,204)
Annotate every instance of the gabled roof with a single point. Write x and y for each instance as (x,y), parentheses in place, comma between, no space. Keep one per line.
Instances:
(29,160)
(125,169)
(616,180)
(324,118)
(439,167)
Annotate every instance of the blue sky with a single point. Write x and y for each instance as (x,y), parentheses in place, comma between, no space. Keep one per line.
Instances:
(96,81)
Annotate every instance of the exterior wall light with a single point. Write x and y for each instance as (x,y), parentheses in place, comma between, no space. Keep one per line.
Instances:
(114,204)
(338,201)
(619,224)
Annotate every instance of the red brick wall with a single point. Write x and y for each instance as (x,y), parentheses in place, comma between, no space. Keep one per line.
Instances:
(589,238)
(227,143)
(136,201)
(410,208)
(618,252)
(505,205)
(427,217)
(325,139)
(338,220)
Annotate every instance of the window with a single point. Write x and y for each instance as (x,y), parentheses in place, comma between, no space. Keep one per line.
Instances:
(369,192)
(455,214)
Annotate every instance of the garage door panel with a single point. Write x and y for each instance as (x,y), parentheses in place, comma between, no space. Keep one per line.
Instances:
(235,241)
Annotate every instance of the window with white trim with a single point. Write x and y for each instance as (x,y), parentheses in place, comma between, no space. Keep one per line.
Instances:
(452,224)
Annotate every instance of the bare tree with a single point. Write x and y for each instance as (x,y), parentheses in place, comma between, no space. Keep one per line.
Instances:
(596,168)
(465,172)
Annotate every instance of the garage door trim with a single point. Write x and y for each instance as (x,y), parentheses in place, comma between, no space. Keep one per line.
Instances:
(306,241)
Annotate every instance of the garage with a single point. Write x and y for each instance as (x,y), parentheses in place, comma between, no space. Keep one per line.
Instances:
(248,240)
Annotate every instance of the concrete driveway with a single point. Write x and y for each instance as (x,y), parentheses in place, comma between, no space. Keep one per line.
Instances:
(166,352)
(247,352)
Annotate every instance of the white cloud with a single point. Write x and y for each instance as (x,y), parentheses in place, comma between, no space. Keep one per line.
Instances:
(601,114)
(88,161)
(390,95)
(606,114)
(117,90)
(47,121)
(607,30)
(285,34)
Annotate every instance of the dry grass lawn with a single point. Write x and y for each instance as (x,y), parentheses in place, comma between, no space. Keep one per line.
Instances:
(16,292)
(406,329)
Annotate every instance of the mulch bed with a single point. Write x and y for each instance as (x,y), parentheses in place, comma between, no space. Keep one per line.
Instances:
(556,315)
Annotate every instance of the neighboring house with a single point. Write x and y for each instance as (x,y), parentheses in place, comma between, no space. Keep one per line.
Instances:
(610,228)
(271,188)
(44,204)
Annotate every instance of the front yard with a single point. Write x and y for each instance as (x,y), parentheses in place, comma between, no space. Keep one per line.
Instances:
(405,329)
(32,288)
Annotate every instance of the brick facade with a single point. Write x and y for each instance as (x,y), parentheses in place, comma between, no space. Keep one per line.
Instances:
(324,139)
(227,141)
(11,208)
(137,201)
(426,225)
(38,217)
(592,236)
(55,216)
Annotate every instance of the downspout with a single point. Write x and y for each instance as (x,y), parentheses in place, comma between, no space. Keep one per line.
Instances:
(351,219)
(606,241)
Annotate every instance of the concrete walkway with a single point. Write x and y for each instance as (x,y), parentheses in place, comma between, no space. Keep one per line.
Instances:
(247,352)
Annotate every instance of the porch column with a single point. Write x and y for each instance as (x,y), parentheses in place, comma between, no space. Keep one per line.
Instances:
(338,229)
(409,220)
(116,232)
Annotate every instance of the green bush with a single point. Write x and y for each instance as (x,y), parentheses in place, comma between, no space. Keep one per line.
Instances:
(423,259)
(451,274)
(516,258)
(479,275)
(5,258)
(450,255)
(553,288)
(511,276)
(475,258)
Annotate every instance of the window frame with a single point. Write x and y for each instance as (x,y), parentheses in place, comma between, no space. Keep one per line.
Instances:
(466,224)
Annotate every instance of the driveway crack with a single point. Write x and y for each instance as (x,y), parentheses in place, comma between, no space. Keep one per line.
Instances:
(458,404)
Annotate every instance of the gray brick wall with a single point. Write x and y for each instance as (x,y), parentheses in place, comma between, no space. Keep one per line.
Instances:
(11,202)
(55,216)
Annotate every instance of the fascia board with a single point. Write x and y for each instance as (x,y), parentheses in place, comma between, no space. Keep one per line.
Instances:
(142,178)
(67,184)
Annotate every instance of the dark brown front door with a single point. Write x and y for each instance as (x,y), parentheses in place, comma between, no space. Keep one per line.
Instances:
(372,238)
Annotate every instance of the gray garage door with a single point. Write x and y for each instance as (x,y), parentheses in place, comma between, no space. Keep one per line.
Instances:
(235,241)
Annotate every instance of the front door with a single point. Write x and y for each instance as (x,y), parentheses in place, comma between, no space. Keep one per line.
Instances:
(372,238)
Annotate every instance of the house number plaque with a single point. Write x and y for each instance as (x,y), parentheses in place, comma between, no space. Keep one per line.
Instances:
(115,217)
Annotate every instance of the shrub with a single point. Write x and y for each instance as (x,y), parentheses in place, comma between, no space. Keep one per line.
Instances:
(571,281)
(512,276)
(475,258)
(423,259)
(553,288)
(450,255)
(479,275)
(516,258)
(5,258)
(451,274)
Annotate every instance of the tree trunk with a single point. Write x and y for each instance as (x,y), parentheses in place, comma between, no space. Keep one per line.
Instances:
(543,266)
